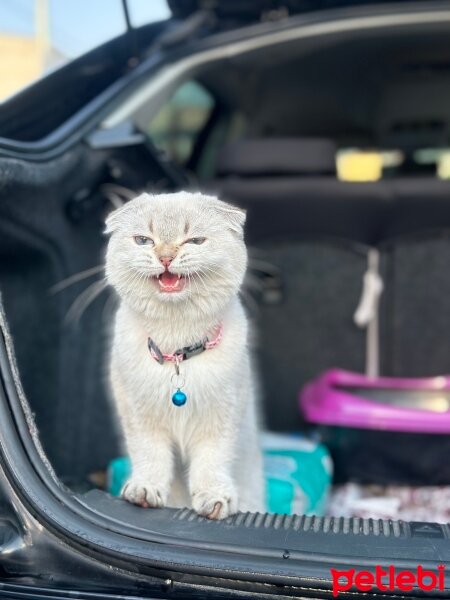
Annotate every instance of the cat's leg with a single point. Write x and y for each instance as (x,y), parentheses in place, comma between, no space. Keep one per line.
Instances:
(151,453)
(151,457)
(226,472)
(211,485)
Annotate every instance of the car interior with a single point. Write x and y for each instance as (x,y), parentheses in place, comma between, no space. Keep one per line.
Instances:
(280,131)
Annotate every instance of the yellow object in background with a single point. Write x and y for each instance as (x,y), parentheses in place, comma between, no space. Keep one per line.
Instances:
(443,168)
(354,165)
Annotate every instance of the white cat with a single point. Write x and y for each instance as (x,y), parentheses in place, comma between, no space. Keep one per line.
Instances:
(177,262)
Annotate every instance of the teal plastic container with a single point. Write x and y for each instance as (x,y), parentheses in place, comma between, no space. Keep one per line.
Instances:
(298,473)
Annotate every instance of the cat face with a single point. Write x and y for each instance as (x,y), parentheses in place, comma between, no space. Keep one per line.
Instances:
(176,248)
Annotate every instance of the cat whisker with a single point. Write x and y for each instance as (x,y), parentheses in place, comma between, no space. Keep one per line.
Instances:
(249,301)
(194,279)
(189,279)
(206,270)
(201,279)
(131,277)
(142,280)
(80,276)
(216,275)
(83,301)
(210,269)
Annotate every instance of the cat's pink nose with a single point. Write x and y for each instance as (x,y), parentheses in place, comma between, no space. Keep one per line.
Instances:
(165,260)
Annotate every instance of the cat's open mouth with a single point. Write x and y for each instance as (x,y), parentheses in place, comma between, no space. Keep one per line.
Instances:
(171,282)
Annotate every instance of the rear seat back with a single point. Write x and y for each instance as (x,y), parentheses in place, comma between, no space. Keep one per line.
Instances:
(277,157)
(296,207)
(289,189)
(317,232)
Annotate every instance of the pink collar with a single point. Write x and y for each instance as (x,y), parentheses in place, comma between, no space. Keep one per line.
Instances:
(188,351)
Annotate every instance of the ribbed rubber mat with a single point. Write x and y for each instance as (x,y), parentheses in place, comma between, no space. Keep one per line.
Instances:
(350,526)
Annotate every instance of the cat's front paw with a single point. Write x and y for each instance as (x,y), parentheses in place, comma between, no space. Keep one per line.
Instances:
(215,502)
(144,494)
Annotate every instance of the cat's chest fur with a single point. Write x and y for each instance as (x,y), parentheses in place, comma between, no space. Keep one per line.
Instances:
(206,378)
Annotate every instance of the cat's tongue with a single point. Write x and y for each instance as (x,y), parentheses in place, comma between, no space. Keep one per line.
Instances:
(170,282)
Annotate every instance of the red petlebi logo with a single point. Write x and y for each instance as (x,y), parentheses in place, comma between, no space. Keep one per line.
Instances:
(388,579)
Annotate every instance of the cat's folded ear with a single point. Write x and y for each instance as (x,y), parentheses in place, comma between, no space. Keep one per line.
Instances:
(123,216)
(234,216)
(115,218)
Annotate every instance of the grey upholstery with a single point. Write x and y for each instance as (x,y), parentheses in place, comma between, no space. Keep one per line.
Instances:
(278,156)
(415,313)
(280,207)
(421,203)
(310,329)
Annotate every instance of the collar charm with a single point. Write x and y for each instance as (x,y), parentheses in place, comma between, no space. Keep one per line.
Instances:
(179,398)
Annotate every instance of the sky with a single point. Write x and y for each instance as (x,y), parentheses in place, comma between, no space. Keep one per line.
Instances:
(76,26)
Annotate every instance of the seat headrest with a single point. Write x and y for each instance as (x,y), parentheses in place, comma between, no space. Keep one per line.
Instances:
(278,156)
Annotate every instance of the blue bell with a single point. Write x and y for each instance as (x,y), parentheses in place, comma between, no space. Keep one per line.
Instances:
(179,398)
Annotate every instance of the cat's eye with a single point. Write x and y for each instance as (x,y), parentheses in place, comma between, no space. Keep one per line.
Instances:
(142,240)
(196,240)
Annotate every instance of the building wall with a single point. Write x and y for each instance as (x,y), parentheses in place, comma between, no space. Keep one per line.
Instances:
(20,63)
